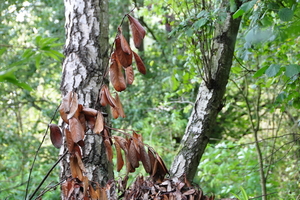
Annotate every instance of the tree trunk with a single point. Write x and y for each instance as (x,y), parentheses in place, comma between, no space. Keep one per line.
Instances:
(86,52)
(209,100)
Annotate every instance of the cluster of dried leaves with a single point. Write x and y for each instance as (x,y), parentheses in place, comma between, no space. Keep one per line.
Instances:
(80,119)
(121,58)
(131,148)
(169,189)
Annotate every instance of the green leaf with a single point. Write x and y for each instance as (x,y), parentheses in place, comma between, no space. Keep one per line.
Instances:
(286,14)
(244,8)
(292,70)
(238,13)
(10,77)
(272,70)
(2,51)
(28,53)
(236,70)
(201,22)
(189,32)
(38,60)
(260,72)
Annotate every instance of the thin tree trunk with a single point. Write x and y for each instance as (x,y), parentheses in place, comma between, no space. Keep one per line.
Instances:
(86,52)
(209,100)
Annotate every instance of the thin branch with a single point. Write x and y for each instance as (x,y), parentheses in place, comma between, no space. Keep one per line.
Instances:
(50,188)
(13,187)
(36,153)
(48,173)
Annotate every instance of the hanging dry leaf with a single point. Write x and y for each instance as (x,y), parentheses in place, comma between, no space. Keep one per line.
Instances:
(85,184)
(132,155)
(129,74)
(137,139)
(116,76)
(89,111)
(93,193)
(56,135)
(110,99)
(120,161)
(66,102)
(69,140)
(129,167)
(91,120)
(102,96)
(114,113)
(70,104)
(145,159)
(121,57)
(153,162)
(160,171)
(138,31)
(79,161)
(73,166)
(63,115)
(82,121)
(99,125)
(76,150)
(109,152)
(119,107)
(76,130)
(122,142)
(124,44)
(139,63)
(67,188)
(102,193)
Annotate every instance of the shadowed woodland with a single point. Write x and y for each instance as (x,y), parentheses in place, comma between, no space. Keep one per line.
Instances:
(149,99)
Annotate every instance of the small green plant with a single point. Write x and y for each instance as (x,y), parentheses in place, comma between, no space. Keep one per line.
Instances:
(243,195)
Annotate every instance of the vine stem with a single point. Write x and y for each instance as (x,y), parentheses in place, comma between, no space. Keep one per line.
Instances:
(36,153)
(48,173)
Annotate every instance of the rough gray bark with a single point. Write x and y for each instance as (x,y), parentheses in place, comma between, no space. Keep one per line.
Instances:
(208,102)
(86,52)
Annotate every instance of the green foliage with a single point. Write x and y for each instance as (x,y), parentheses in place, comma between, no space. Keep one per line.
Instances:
(29,74)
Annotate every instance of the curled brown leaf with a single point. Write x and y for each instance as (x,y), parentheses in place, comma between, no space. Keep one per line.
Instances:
(140,65)
(138,31)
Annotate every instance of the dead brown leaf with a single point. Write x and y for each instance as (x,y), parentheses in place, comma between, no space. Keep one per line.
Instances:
(140,64)
(56,135)
(99,125)
(138,31)
(116,75)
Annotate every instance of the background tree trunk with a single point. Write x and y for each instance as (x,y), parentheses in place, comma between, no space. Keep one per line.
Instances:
(86,51)
(209,99)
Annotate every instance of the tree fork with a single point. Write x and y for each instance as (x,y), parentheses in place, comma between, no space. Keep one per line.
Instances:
(209,100)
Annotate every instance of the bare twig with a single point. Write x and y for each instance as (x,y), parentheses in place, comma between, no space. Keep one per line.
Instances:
(36,153)
(48,173)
